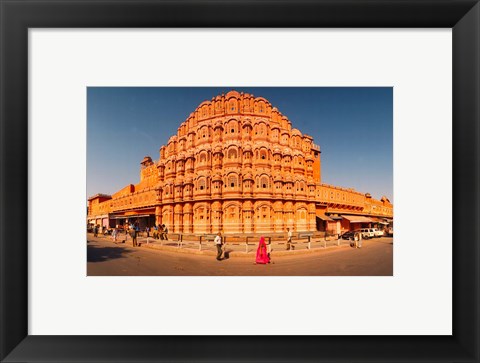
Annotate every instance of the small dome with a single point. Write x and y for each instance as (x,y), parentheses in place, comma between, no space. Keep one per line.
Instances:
(231,94)
(247,122)
(146,160)
(248,176)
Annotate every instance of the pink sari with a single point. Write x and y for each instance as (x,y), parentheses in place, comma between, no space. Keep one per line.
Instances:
(262,256)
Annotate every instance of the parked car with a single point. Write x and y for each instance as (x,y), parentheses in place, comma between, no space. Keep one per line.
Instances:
(377,232)
(367,232)
(348,235)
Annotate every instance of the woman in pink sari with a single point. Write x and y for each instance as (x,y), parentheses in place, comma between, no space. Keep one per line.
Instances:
(262,256)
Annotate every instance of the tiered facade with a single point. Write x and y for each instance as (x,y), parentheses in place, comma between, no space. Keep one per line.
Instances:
(237,166)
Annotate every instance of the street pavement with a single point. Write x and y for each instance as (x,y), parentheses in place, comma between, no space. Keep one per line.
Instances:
(106,258)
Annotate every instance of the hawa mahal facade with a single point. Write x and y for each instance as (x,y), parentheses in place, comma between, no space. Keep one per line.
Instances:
(237,166)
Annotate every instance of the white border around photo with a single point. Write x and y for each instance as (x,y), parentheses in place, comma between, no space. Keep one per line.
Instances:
(416,300)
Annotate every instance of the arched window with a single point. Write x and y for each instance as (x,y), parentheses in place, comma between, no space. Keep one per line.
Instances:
(232,181)
(264,182)
(201,184)
(232,154)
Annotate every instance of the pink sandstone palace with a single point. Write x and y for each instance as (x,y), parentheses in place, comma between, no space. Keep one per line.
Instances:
(237,166)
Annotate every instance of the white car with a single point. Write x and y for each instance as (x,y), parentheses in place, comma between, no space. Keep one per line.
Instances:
(377,232)
(367,232)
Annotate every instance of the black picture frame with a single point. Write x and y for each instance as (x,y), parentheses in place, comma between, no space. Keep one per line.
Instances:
(17,16)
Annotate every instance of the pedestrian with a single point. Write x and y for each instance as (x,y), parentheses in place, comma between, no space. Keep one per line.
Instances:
(269,248)
(147,230)
(218,244)
(155,232)
(262,255)
(133,234)
(359,240)
(160,231)
(165,232)
(95,231)
(114,234)
(289,239)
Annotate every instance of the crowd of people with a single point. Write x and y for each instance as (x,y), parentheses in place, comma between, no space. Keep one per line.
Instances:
(132,230)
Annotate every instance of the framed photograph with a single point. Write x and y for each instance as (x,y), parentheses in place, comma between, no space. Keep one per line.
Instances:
(197,181)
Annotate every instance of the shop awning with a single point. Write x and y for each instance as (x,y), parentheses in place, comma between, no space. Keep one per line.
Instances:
(384,220)
(133,216)
(378,220)
(357,219)
(323,217)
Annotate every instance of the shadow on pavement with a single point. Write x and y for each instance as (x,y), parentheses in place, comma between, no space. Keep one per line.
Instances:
(101,254)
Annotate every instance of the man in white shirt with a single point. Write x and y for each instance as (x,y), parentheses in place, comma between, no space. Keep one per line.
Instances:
(289,239)
(218,243)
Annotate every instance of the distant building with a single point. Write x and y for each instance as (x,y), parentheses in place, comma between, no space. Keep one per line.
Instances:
(237,166)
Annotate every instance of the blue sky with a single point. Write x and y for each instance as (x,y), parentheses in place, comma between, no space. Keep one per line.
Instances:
(352,125)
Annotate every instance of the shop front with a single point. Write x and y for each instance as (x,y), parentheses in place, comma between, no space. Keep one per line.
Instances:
(352,222)
(138,220)
(325,223)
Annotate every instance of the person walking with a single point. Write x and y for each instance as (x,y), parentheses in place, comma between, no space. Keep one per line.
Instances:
(218,244)
(95,231)
(262,255)
(114,234)
(133,234)
(269,248)
(289,239)
(355,240)
(359,240)
(165,232)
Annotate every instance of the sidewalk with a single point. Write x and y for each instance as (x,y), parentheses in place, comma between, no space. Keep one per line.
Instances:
(233,249)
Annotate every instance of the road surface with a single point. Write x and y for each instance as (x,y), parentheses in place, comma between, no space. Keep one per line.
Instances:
(105,258)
